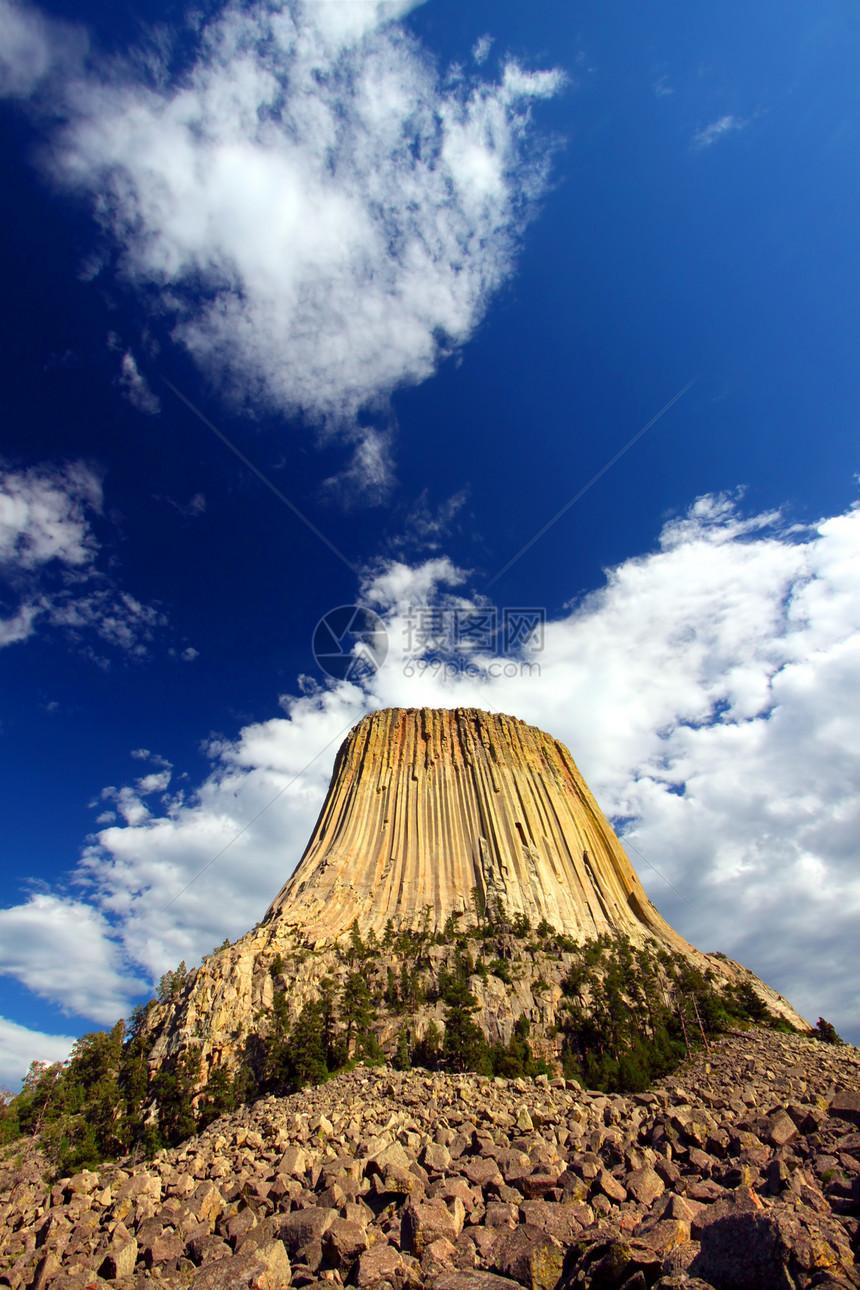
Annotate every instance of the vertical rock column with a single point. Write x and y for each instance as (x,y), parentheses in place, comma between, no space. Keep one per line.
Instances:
(427,804)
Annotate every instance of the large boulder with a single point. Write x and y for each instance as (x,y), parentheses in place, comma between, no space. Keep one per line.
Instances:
(779,1249)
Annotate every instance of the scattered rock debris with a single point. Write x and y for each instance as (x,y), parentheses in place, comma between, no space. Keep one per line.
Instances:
(740,1172)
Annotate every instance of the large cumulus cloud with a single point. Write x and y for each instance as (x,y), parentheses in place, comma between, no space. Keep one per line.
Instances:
(320,212)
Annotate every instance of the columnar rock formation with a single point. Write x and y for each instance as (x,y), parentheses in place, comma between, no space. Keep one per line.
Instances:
(427,806)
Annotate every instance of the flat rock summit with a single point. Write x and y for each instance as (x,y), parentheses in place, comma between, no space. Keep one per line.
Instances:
(427,806)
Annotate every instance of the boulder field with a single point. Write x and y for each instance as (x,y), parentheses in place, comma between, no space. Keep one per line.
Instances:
(740,1172)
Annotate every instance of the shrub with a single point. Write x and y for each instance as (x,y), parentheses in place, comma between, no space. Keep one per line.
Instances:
(826,1033)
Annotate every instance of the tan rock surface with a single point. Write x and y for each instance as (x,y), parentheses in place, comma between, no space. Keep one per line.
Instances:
(427,804)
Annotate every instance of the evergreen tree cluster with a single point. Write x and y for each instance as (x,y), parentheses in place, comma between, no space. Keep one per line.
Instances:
(633,1014)
(338,1028)
(104,1103)
(826,1032)
(331,1031)
(629,1015)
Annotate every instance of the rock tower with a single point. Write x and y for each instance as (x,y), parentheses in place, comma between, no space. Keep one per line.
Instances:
(431,810)
(435,819)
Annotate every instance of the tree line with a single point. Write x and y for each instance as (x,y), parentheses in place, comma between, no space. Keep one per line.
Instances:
(629,1015)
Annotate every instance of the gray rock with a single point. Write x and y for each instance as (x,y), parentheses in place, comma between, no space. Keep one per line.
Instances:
(235,1273)
(426,1221)
(780,1129)
(120,1260)
(207,1248)
(472,1280)
(300,1229)
(343,1241)
(380,1263)
(435,1158)
(606,1185)
(483,1173)
(559,1220)
(846,1106)
(778,1248)
(163,1252)
(239,1225)
(644,1185)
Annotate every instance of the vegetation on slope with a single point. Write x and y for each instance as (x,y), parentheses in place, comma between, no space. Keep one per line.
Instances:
(628,1016)
(632,1014)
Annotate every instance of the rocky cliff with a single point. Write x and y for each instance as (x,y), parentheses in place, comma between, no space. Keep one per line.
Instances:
(437,823)
(428,806)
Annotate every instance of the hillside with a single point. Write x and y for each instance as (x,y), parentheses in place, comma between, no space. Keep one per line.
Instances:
(741,1172)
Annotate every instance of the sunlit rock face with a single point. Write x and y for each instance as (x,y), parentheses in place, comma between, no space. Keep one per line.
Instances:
(431,809)
(433,813)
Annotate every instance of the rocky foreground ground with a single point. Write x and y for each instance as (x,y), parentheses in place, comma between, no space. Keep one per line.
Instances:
(743,1170)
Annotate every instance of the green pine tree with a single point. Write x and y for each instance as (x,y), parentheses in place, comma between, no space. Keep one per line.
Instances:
(356,1013)
(401,1060)
(464,1047)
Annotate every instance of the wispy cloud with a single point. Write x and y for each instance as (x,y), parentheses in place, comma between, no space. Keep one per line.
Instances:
(190,510)
(36,48)
(322,214)
(708,692)
(135,386)
(481,48)
(49,565)
(424,527)
(708,136)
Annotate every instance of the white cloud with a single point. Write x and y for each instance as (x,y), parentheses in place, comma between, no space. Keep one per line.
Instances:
(34,48)
(18,626)
(64,950)
(44,515)
(709,134)
(20,1046)
(135,386)
(49,565)
(322,214)
(481,48)
(154,782)
(708,692)
(398,585)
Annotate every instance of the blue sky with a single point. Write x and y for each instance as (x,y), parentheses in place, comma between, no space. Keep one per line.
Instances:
(429,268)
